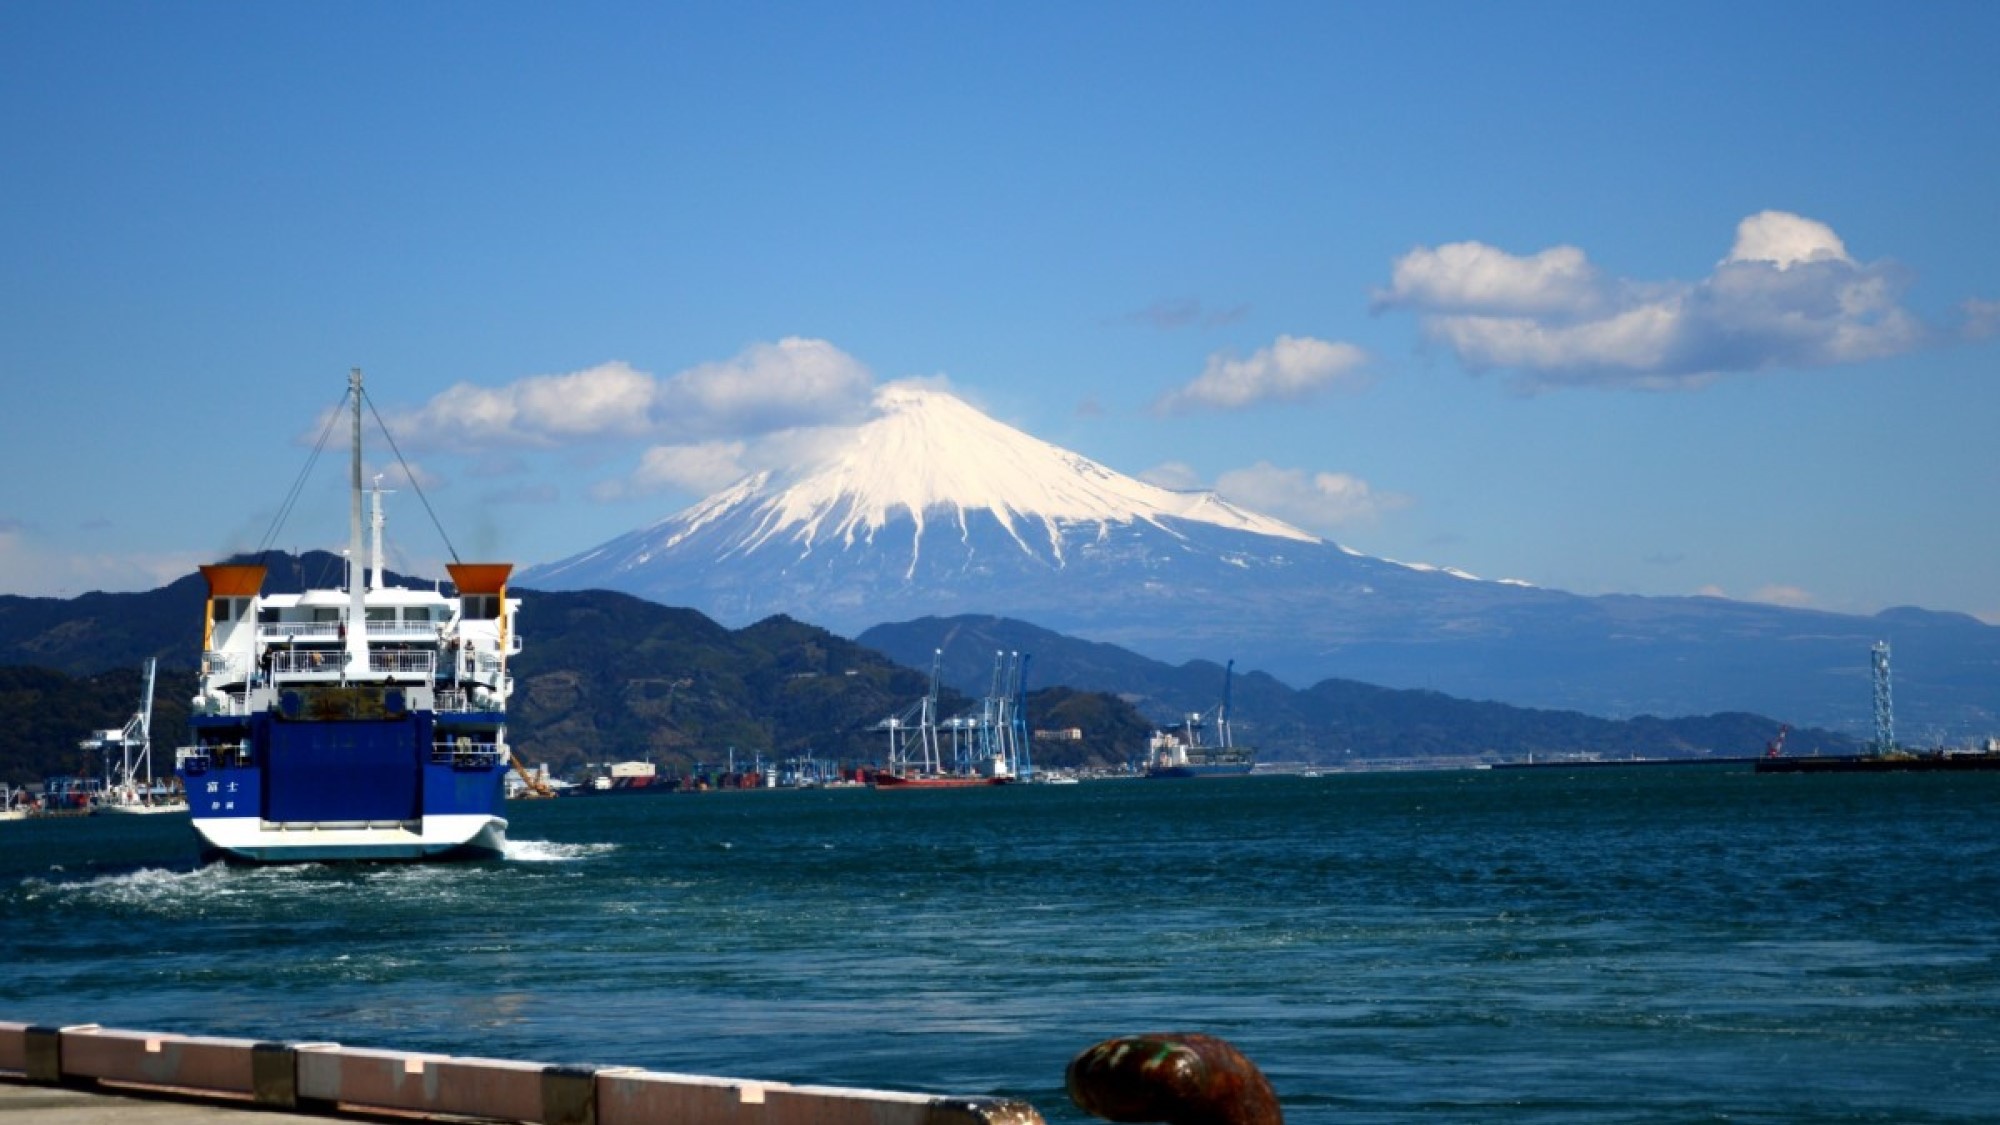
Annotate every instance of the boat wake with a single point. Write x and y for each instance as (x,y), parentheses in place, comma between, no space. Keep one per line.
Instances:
(548,851)
(157,890)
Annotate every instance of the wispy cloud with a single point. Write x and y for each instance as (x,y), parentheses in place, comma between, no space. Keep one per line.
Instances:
(1323,502)
(699,468)
(1183,312)
(1979,319)
(1788,295)
(32,567)
(1292,368)
(1791,597)
(1316,501)
(523,494)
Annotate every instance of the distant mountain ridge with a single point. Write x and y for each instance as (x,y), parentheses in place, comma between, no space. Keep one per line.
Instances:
(1334,721)
(936,510)
(605,676)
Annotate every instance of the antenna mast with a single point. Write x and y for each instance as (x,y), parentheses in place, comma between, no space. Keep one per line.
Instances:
(357,611)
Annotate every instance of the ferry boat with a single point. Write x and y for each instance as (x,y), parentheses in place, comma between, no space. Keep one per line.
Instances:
(365,722)
(1183,750)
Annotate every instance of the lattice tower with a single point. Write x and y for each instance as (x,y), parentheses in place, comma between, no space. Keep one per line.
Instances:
(1885,706)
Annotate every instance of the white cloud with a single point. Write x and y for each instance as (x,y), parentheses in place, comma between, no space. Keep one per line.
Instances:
(1292,368)
(32,568)
(1786,240)
(1475,277)
(1787,296)
(611,400)
(699,469)
(399,476)
(1981,319)
(1319,501)
(1177,475)
(1790,596)
(765,387)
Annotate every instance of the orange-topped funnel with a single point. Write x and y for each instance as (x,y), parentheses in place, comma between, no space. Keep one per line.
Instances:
(233,580)
(480,578)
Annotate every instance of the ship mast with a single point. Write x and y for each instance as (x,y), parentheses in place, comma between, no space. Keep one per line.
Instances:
(375,534)
(357,610)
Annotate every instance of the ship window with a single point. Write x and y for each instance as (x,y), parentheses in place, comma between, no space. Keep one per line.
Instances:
(268,615)
(224,609)
(481,607)
(326,613)
(382,615)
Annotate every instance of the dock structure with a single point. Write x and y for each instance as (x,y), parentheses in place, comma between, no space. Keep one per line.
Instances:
(80,1072)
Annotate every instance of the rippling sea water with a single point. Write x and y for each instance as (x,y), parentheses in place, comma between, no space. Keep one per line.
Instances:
(1549,947)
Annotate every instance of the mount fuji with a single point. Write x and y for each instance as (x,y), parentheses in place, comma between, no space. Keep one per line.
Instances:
(933,509)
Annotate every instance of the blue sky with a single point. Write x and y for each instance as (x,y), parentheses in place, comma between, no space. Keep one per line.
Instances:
(1656,299)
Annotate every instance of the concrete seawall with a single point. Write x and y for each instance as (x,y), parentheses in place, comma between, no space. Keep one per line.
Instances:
(328,1079)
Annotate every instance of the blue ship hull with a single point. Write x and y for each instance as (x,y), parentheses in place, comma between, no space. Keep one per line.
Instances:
(372,789)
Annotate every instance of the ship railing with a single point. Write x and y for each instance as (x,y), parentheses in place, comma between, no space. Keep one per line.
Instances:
(403,630)
(283,631)
(222,703)
(465,752)
(420,663)
(461,699)
(322,662)
(299,630)
(201,758)
(225,664)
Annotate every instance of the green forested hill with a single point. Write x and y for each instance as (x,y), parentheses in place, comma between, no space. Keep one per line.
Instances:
(45,713)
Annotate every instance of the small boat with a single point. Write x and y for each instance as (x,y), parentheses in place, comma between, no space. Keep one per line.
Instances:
(1183,751)
(13,803)
(362,722)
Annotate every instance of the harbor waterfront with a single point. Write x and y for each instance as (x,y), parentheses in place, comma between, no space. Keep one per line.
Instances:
(1543,946)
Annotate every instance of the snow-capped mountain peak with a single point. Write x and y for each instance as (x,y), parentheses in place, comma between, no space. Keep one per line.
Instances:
(929,503)
(927,457)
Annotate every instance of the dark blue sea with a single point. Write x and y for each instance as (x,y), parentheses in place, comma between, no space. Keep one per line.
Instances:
(1543,946)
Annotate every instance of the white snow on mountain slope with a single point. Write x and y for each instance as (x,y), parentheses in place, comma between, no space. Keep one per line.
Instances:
(929,456)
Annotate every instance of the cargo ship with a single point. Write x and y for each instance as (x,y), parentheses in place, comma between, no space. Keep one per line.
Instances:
(1183,750)
(997,774)
(360,722)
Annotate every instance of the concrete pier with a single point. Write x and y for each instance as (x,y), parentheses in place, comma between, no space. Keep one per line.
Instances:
(71,1073)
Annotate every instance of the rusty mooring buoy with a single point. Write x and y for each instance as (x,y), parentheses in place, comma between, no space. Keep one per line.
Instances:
(1182,1078)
